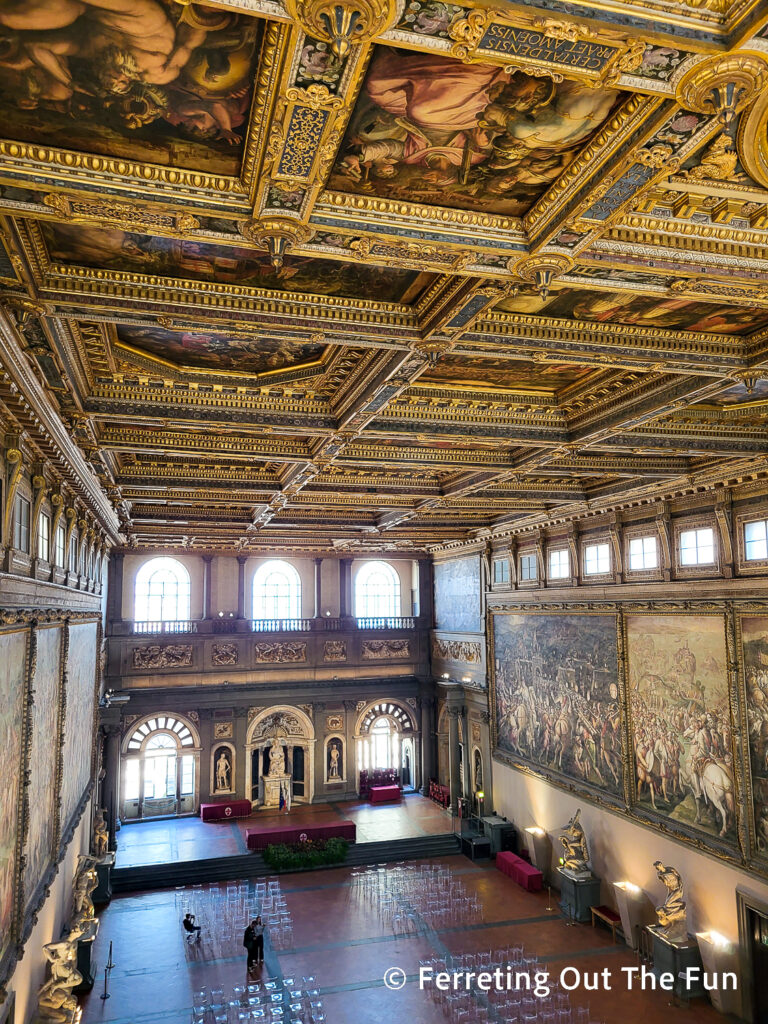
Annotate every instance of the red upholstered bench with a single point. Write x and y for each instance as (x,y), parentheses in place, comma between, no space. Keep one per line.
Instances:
(385,794)
(505,862)
(528,876)
(228,809)
(261,838)
(520,871)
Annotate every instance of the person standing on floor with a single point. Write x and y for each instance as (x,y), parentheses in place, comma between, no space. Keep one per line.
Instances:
(258,942)
(249,941)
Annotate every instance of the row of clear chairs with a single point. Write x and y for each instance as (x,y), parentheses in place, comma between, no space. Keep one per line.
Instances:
(415,897)
(275,1001)
(223,912)
(518,1004)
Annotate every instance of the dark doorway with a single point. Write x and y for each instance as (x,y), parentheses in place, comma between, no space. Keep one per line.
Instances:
(298,771)
(255,773)
(759,949)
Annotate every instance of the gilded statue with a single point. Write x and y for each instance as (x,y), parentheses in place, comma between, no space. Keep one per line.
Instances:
(671,914)
(55,1000)
(575,845)
(100,839)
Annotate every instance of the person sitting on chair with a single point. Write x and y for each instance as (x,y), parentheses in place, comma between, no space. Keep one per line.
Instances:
(188,924)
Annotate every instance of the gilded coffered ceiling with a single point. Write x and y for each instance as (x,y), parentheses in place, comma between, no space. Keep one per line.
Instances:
(386,274)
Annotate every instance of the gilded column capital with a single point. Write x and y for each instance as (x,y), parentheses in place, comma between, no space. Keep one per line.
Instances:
(343,23)
(541,270)
(275,234)
(723,85)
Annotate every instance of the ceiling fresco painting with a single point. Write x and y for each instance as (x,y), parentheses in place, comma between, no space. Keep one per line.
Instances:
(628,307)
(508,374)
(139,79)
(432,282)
(429,129)
(205,350)
(174,258)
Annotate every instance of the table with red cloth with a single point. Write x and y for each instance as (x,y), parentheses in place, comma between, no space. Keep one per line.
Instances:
(228,809)
(261,838)
(384,794)
(520,871)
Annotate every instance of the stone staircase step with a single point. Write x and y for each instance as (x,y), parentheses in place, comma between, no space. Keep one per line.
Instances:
(251,865)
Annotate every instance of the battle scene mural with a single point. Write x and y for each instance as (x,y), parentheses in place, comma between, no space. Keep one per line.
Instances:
(681,721)
(146,80)
(114,249)
(204,350)
(43,757)
(430,129)
(754,647)
(627,307)
(12,685)
(556,688)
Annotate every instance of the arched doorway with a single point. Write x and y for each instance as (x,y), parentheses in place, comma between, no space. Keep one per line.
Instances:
(160,769)
(291,729)
(386,738)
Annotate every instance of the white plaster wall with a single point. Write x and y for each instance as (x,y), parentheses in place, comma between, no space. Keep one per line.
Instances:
(622,850)
(30,972)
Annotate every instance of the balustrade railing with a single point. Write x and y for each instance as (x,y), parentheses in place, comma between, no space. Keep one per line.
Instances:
(281,625)
(180,626)
(386,622)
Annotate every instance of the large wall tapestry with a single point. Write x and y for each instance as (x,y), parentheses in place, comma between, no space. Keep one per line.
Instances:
(754,646)
(681,721)
(429,129)
(13,648)
(42,761)
(556,696)
(457,595)
(78,720)
(133,78)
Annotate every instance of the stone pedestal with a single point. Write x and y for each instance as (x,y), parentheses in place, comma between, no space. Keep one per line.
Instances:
(84,956)
(579,890)
(675,958)
(103,891)
(272,787)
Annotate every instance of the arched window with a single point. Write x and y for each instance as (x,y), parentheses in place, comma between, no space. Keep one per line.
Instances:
(162,592)
(377,591)
(159,769)
(276,591)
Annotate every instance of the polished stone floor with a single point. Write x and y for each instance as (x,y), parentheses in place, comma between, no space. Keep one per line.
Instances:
(180,839)
(344,942)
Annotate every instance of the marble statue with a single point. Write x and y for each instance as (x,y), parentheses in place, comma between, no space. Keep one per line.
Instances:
(575,845)
(85,882)
(334,769)
(222,771)
(100,839)
(671,914)
(55,1000)
(276,758)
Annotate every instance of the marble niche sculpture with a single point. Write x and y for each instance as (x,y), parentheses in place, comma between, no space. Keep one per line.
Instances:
(55,1001)
(575,846)
(671,914)
(100,840)
(277,779)
(85,882)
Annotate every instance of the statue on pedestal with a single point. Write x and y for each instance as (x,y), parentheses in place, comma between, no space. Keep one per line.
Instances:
(85,882)
(276,759)
(100,838)
(55,1000)
(671,914)
(575,845)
